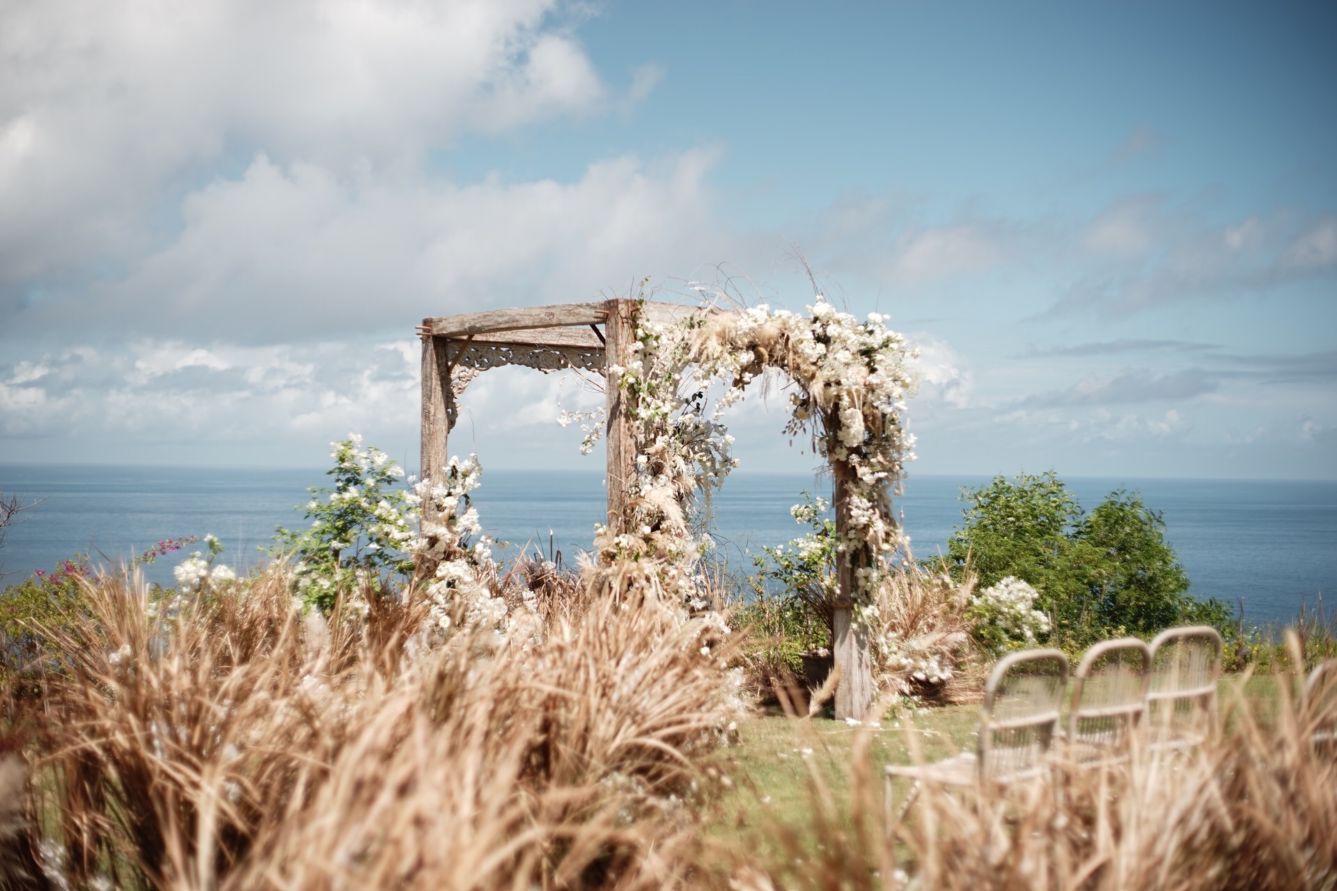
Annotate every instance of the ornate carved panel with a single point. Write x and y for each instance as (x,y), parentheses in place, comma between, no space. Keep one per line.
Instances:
(466,359)
(544,358)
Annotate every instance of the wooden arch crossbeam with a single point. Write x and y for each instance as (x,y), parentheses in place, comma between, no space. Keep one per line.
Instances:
(586,336)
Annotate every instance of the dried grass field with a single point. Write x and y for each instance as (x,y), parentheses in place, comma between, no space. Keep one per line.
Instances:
(235,742)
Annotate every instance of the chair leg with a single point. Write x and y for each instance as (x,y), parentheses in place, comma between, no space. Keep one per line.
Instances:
(909,800)
(888,800)
(886,807)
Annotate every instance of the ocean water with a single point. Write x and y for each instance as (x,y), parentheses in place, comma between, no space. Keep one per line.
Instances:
(1270,546)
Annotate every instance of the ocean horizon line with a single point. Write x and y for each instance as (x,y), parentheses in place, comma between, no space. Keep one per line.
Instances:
(593,471)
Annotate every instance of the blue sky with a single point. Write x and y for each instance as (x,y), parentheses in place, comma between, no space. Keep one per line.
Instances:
(1111,227)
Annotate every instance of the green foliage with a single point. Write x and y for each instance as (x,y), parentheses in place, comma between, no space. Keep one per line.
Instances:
(790,613)
(1265,651)
(1137,582)
(1102,574)
(805,568)
(780,632)
(360,529)
(42,603)
(1021,529)
(50,601)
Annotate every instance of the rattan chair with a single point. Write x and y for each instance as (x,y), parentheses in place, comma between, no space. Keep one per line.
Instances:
(1319,704)
(1017,725)
(1181,699)
(1109,700)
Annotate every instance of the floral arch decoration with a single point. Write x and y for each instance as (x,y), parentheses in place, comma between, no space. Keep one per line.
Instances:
(667,445)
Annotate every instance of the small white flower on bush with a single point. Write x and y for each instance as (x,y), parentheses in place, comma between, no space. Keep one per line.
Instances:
(1005,617)
(198,571)
(192,572)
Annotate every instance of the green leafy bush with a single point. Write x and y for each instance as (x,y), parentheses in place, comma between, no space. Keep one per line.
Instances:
(34,607)
(789,615)
(48,601)
(1103,574)
(360,530)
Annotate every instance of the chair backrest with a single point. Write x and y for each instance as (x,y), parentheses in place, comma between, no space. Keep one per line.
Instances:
(1320,705)
(1109,693)
(1020,713)
(1185,668)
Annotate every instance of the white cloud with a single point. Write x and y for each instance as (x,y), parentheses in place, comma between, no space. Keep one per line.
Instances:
(1141,140)
(1176,257)
(943,251)
(1248,233)
(942,374)
(1128,426)
(1128,229)
(297,251)
(1314,250)
(157,360)
(1128,386)
(107,109)
(1315,431)
(1096,425)
(297,396)
(644,79)
(29,372)
(556,76)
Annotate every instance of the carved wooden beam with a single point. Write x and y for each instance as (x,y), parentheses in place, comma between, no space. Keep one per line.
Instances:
(555,316)
(580,338)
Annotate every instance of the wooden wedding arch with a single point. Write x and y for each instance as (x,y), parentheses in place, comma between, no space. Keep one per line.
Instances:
(592,337)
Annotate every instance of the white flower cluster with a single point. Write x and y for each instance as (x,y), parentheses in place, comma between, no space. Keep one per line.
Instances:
(458,591)
(193,573)
(805,513)
(1005,611)
(683,451)
(908,664)
(445,505)
(852,381)
(591,425)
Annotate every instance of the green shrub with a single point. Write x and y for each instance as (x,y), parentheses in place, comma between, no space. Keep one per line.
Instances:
(360,529)
(1103,574)
(49,601)
(31,609)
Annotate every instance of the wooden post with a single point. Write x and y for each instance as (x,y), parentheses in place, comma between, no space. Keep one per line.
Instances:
(435,389)
(854,689)
(619,335)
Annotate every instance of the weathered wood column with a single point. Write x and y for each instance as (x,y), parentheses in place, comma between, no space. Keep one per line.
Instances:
(619,335)
(435,393)
(854,689)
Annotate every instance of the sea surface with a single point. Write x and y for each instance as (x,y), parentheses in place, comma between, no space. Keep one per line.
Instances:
(1270,546)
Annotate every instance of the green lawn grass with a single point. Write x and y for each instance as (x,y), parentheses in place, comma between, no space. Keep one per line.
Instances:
(773,767)
(777,759)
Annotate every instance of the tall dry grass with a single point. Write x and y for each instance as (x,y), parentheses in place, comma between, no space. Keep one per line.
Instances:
(238,744)
(919,619)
